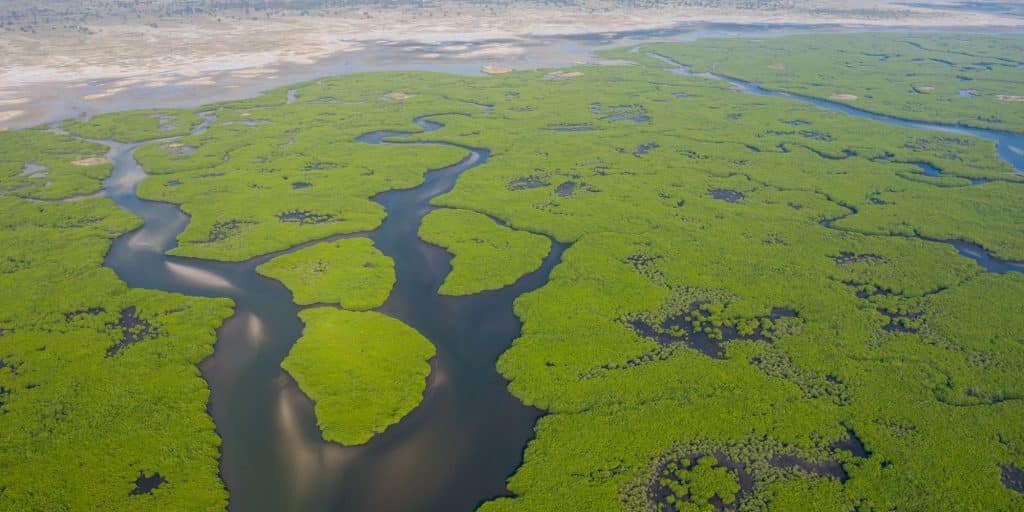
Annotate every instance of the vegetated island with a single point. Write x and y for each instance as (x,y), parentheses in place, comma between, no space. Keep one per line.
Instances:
(487,255)
(351,273)
(364,371)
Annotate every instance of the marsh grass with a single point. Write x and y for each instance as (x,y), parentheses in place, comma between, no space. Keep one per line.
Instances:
(351,273)
(918,76)
(477,242)
(889,333)
(364,371)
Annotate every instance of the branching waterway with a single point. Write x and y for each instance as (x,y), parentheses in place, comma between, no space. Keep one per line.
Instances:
(467,436)
(1010,147)
(452,452)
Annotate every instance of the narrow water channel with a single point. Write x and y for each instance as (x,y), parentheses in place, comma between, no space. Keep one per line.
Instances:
(449,454)
(1010,148)
(1009,145)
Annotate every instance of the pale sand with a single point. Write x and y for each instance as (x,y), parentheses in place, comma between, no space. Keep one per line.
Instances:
(1005,97)
(493,50)
(842,97)
(206,80)
(134,52)
(200,50)
(397,96)
(93,160)
(105,94)
(494,69)
(561,75)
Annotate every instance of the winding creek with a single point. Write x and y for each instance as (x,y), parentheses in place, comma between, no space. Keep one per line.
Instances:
(1009,145)
(467,436)
(453,451)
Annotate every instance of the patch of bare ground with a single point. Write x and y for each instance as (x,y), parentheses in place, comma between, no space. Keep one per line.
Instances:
(6,115)
(397,96)
(92,160)
(494,69)
(562,75)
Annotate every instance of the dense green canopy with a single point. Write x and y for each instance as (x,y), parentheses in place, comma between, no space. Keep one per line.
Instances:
(352,273)
(477,243)
(364,370)
(759,306)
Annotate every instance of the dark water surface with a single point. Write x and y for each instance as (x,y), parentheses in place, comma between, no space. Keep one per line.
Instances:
(449,454)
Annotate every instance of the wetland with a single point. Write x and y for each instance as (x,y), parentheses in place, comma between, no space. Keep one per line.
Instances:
(629,286)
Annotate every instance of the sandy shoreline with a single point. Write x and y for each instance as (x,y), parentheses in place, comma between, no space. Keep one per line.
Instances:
(114,60)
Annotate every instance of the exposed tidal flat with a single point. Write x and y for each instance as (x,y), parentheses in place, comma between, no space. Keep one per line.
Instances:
(787,274)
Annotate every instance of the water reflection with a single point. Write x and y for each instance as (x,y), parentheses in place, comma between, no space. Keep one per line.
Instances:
(306,461)
(197,276)
(254,326)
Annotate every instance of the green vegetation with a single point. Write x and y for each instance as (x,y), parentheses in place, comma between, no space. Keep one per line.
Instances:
(711,209)
(488,256)
(300,163)
(969,80)
(692,485)
(134,126)
(98,383)
(43,165)
(750,278)
(350,272)
(364,370)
